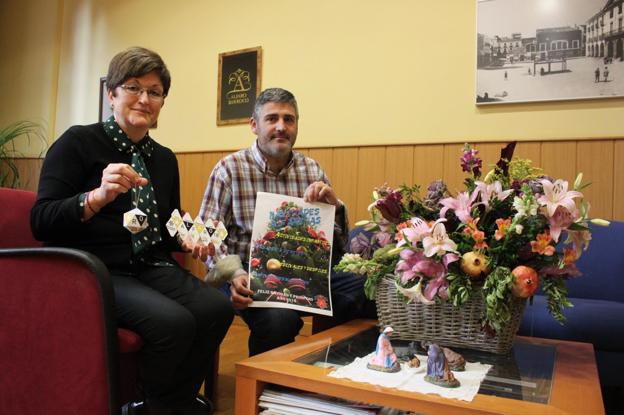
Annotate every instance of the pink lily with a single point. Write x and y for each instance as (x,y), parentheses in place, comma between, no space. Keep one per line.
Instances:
(418,229)
(557,194)
(460,205)
(414,263)
(437,286)
(561,220)
(580,240)
(488,191)
(439,242)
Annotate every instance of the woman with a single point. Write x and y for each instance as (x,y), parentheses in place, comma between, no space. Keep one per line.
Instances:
(91,177)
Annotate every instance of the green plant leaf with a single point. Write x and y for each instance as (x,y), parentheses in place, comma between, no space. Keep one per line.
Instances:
(9,173)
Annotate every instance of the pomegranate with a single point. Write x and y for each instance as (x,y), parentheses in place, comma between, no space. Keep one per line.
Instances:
(474,264)
(525,281)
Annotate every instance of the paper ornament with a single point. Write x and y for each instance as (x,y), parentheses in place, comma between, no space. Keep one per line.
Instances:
(211,231)
(135,220)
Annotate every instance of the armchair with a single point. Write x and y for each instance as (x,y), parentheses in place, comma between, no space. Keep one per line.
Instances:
(15,233)
(58,344)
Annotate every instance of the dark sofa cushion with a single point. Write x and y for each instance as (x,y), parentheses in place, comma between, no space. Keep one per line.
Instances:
(602,265)
(592,321)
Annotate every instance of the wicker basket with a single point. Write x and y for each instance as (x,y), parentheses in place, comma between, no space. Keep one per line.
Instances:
(443,323)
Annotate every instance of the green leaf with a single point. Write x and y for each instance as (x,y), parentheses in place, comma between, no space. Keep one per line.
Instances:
(578,227)
(9,174)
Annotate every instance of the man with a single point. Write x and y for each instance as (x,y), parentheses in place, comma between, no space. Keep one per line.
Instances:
(271,165)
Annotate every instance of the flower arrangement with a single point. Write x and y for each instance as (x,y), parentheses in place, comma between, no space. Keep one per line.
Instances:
(498,238)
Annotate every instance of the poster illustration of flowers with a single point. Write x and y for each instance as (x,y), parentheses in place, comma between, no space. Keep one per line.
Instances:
(290,254)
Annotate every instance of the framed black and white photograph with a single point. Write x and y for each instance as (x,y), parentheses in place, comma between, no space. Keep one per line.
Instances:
(105,109)
(549,50)
(240,74)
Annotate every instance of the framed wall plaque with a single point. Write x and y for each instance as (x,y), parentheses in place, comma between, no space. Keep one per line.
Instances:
(240,74)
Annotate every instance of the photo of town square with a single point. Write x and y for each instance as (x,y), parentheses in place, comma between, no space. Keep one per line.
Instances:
(540,50)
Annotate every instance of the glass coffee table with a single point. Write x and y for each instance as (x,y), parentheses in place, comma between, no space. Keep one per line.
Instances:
(537,376)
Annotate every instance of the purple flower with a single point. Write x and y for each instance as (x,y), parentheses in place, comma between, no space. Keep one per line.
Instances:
(568,270)
(362,245)
(470,162)
(436,191)
(383,238)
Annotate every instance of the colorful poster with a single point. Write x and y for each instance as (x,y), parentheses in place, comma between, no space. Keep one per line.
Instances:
(290,256)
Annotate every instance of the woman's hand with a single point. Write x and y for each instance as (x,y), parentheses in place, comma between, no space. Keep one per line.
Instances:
(117,178)
(198,249)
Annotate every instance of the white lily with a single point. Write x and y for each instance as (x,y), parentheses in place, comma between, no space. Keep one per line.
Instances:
(414,293)
(438,242)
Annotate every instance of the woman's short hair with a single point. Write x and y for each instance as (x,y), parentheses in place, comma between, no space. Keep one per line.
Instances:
(134,63)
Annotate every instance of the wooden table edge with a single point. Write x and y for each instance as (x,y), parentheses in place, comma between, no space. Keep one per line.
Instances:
(575,370)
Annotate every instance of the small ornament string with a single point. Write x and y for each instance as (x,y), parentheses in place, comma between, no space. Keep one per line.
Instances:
(136,190)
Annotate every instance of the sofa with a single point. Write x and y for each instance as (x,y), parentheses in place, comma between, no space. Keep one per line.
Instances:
(598,297)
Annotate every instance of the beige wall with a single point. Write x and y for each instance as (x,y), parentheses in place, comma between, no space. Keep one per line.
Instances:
(29,57)
(365,72)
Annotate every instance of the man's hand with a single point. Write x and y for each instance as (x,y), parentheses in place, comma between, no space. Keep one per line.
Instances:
(198,249)
(321,192)
(240,292)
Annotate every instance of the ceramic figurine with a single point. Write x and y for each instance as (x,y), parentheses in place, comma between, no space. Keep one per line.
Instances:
(414,362)
(456,362)
(385,359)
(438,371)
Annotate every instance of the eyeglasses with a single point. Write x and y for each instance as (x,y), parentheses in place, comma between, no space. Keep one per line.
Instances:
(136,90)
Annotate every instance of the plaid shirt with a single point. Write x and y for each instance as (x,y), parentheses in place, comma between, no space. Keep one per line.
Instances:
(230,195)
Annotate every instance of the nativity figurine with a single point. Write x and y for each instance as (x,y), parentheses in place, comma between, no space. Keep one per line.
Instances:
(438,371)
(414,362)
(456,362)
(385,360)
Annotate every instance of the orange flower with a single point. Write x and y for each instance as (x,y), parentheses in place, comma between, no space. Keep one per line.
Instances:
(503,226)
(542,244)
(471,226)
(569,256)
(479,238)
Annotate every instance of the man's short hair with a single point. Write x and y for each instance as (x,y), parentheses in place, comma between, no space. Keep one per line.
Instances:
(277,95)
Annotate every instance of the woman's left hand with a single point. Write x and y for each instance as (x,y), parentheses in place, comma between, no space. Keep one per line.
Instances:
(198,249)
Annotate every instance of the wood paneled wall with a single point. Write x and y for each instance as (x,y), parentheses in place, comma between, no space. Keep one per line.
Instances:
(355,171)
